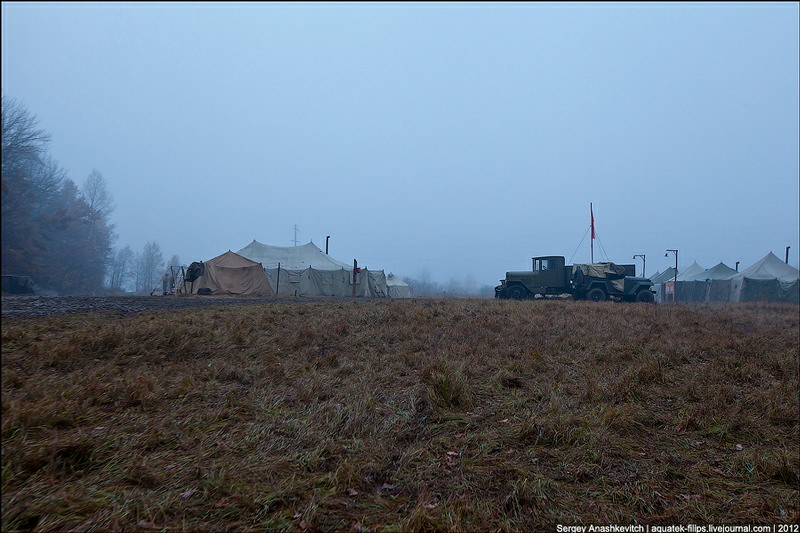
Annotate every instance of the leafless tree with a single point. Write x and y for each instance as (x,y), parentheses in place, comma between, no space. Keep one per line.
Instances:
(149,268)
(121,268)
(96,194)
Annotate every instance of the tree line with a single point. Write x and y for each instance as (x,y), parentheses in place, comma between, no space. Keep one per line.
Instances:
(56,232)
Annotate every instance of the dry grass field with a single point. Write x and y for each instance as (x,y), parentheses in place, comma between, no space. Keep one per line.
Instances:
(463,415)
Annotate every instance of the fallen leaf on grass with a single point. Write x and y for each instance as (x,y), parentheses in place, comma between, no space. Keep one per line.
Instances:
(431,506)
(188,493)
(739,447)
(146,524)
(356,527)
(352,492)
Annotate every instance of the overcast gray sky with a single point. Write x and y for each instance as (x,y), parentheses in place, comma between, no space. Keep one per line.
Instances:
(454,139)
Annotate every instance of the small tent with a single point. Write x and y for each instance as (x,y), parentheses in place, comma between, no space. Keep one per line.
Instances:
(229,273)
(397,287)
(660,282)
(661,277)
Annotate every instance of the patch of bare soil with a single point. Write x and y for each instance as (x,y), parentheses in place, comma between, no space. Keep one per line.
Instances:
(38,306)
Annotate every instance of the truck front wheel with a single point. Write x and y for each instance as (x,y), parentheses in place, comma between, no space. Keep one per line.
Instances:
(597,295)
(516,292)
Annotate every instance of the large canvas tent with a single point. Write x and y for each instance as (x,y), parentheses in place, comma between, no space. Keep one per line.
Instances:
(709,285)
(768,280)
(229,273)
(292,257)
(308,271)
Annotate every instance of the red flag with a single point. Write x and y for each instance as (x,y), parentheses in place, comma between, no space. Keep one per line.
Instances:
(592,213)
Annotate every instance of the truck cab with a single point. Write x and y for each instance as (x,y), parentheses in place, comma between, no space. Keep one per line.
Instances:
(548,276)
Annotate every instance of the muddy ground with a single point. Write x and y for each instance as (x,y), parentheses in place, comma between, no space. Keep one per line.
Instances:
(36,306)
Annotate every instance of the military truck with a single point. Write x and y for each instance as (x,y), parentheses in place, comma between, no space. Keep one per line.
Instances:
(551,277)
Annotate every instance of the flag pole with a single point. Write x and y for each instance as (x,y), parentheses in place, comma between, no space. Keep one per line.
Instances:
(591,213)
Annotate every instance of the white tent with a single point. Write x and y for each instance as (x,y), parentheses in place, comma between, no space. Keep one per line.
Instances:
(668,276)
(768,280)
(692,270)
(308,271)
(709,285)
(660,277)
(292,257)
(397,287)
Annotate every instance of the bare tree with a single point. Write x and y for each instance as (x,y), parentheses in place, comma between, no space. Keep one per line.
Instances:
(99,232)
(120,268)
(23,143)
(96,194)
(149,265)
(31,182)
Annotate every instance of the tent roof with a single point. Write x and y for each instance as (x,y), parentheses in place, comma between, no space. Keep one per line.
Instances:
(394,281)
(231,260)
(693,270)
(667,275)
(292,257)
(770,267)
(719,271)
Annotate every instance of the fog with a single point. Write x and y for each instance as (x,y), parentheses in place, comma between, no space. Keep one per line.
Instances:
(453,141)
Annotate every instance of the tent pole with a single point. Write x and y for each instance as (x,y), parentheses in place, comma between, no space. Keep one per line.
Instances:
(355,271)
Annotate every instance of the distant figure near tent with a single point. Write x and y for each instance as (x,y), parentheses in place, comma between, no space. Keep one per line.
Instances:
(165,283)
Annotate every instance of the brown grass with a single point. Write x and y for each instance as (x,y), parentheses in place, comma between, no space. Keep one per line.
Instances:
(401,415)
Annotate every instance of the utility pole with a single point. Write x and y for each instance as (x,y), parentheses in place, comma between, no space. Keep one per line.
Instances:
(644,264)
(295,234)
(675,279)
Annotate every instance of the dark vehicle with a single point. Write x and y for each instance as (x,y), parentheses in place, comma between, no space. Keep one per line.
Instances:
(551,277)
(17,285)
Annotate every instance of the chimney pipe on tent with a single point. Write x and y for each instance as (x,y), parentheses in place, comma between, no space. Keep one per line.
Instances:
(326,244)
(787,254)
(737,266)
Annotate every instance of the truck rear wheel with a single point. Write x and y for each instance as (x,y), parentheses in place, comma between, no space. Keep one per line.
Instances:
(597,295)
(645,296)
